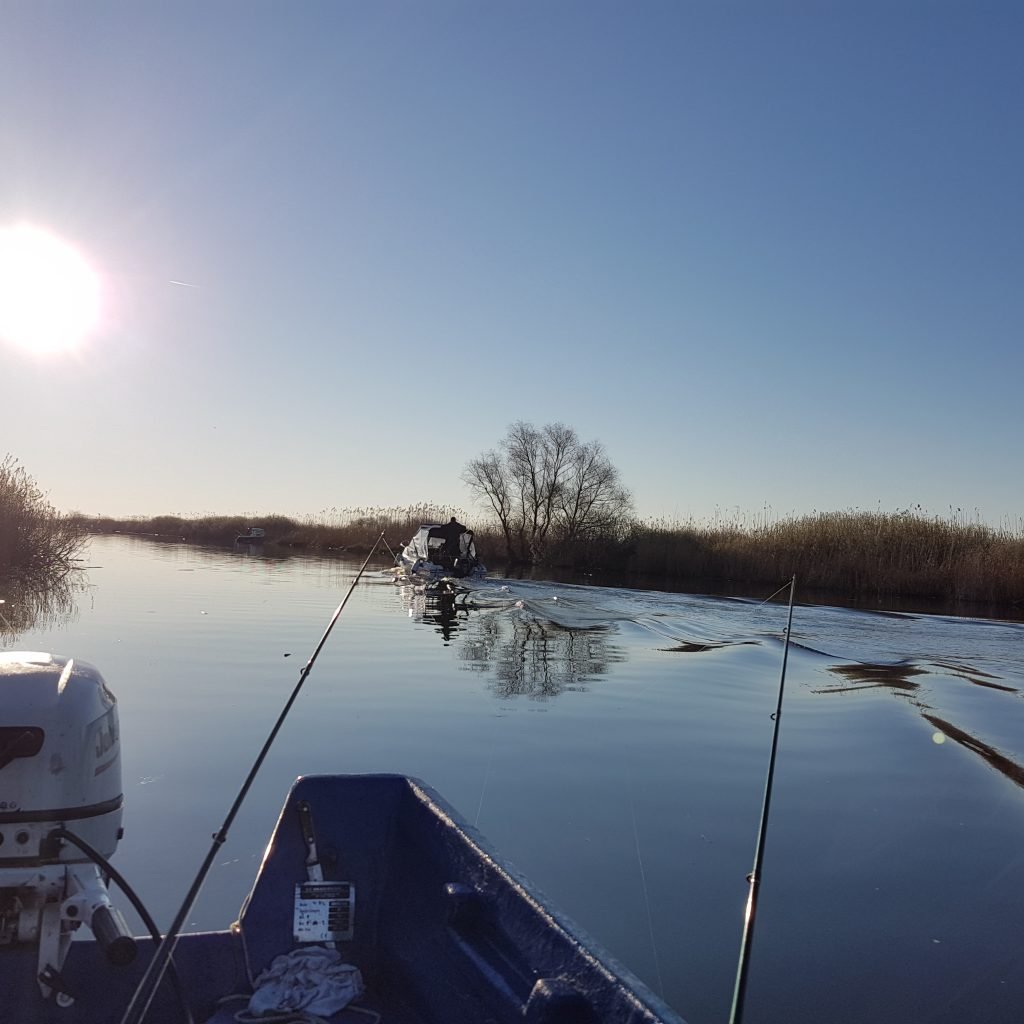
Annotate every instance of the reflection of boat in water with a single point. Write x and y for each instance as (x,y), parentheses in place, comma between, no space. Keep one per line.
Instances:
(255,535)
(372,886)
(441,603)
(529,646)
(437,551)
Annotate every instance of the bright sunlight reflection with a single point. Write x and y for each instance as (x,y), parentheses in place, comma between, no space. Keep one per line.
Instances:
(49,295)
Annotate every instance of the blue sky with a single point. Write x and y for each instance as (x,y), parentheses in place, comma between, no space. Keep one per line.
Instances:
(769,253)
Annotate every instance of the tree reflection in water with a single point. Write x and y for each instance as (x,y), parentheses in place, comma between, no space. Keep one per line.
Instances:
(25,608)
(526,654)
(533,658)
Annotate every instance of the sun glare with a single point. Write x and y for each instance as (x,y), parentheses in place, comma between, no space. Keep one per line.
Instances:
(49,295)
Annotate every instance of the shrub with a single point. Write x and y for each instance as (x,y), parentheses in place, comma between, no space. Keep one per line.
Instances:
(37,543)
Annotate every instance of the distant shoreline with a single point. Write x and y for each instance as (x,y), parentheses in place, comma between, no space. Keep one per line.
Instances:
(898,561)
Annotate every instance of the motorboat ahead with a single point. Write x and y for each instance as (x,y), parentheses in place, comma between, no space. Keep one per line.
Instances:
(435,552)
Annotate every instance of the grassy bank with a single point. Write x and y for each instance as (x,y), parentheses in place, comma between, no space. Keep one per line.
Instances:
(38,545)
(872,556)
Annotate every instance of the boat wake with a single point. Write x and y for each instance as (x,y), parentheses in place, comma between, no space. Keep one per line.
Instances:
(906,655)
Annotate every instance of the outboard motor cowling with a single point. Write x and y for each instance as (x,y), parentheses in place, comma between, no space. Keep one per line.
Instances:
(60,769)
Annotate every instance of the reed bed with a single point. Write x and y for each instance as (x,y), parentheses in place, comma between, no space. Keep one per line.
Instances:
(334,529)
(38,544)
(873,556)
(862,554)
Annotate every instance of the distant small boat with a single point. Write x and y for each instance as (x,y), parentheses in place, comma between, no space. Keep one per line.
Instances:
(256,535)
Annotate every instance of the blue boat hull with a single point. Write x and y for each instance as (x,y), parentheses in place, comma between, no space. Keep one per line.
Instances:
(443,930)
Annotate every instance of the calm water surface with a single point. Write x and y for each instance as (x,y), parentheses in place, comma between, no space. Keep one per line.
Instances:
(613,745)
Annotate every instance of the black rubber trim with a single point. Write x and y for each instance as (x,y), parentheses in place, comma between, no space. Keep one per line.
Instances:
(62,813)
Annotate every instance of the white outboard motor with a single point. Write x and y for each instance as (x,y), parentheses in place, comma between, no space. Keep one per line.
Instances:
(60,768)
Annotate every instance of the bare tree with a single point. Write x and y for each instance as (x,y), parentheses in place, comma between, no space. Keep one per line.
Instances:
(592,500)
(486,478)
(545,482)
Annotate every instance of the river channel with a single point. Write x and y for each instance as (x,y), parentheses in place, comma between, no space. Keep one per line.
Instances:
(613,745)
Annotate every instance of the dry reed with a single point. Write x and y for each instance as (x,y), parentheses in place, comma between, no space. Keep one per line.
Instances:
(858,554)
(865,554)
(38,545)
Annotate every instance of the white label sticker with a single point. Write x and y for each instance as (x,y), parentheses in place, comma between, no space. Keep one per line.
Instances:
(324,911)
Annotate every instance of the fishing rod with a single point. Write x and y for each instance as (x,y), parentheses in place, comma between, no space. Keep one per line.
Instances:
(146,989)
(754,878)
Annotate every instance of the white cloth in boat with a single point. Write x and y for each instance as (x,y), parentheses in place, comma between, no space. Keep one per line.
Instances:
(311,978)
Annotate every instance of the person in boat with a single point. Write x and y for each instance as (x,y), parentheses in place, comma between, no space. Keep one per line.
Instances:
(452,534)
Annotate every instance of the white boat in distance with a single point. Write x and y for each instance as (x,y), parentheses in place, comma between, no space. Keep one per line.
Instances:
(438,550)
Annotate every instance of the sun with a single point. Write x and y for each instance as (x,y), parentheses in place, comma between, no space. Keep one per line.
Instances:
(49,295)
